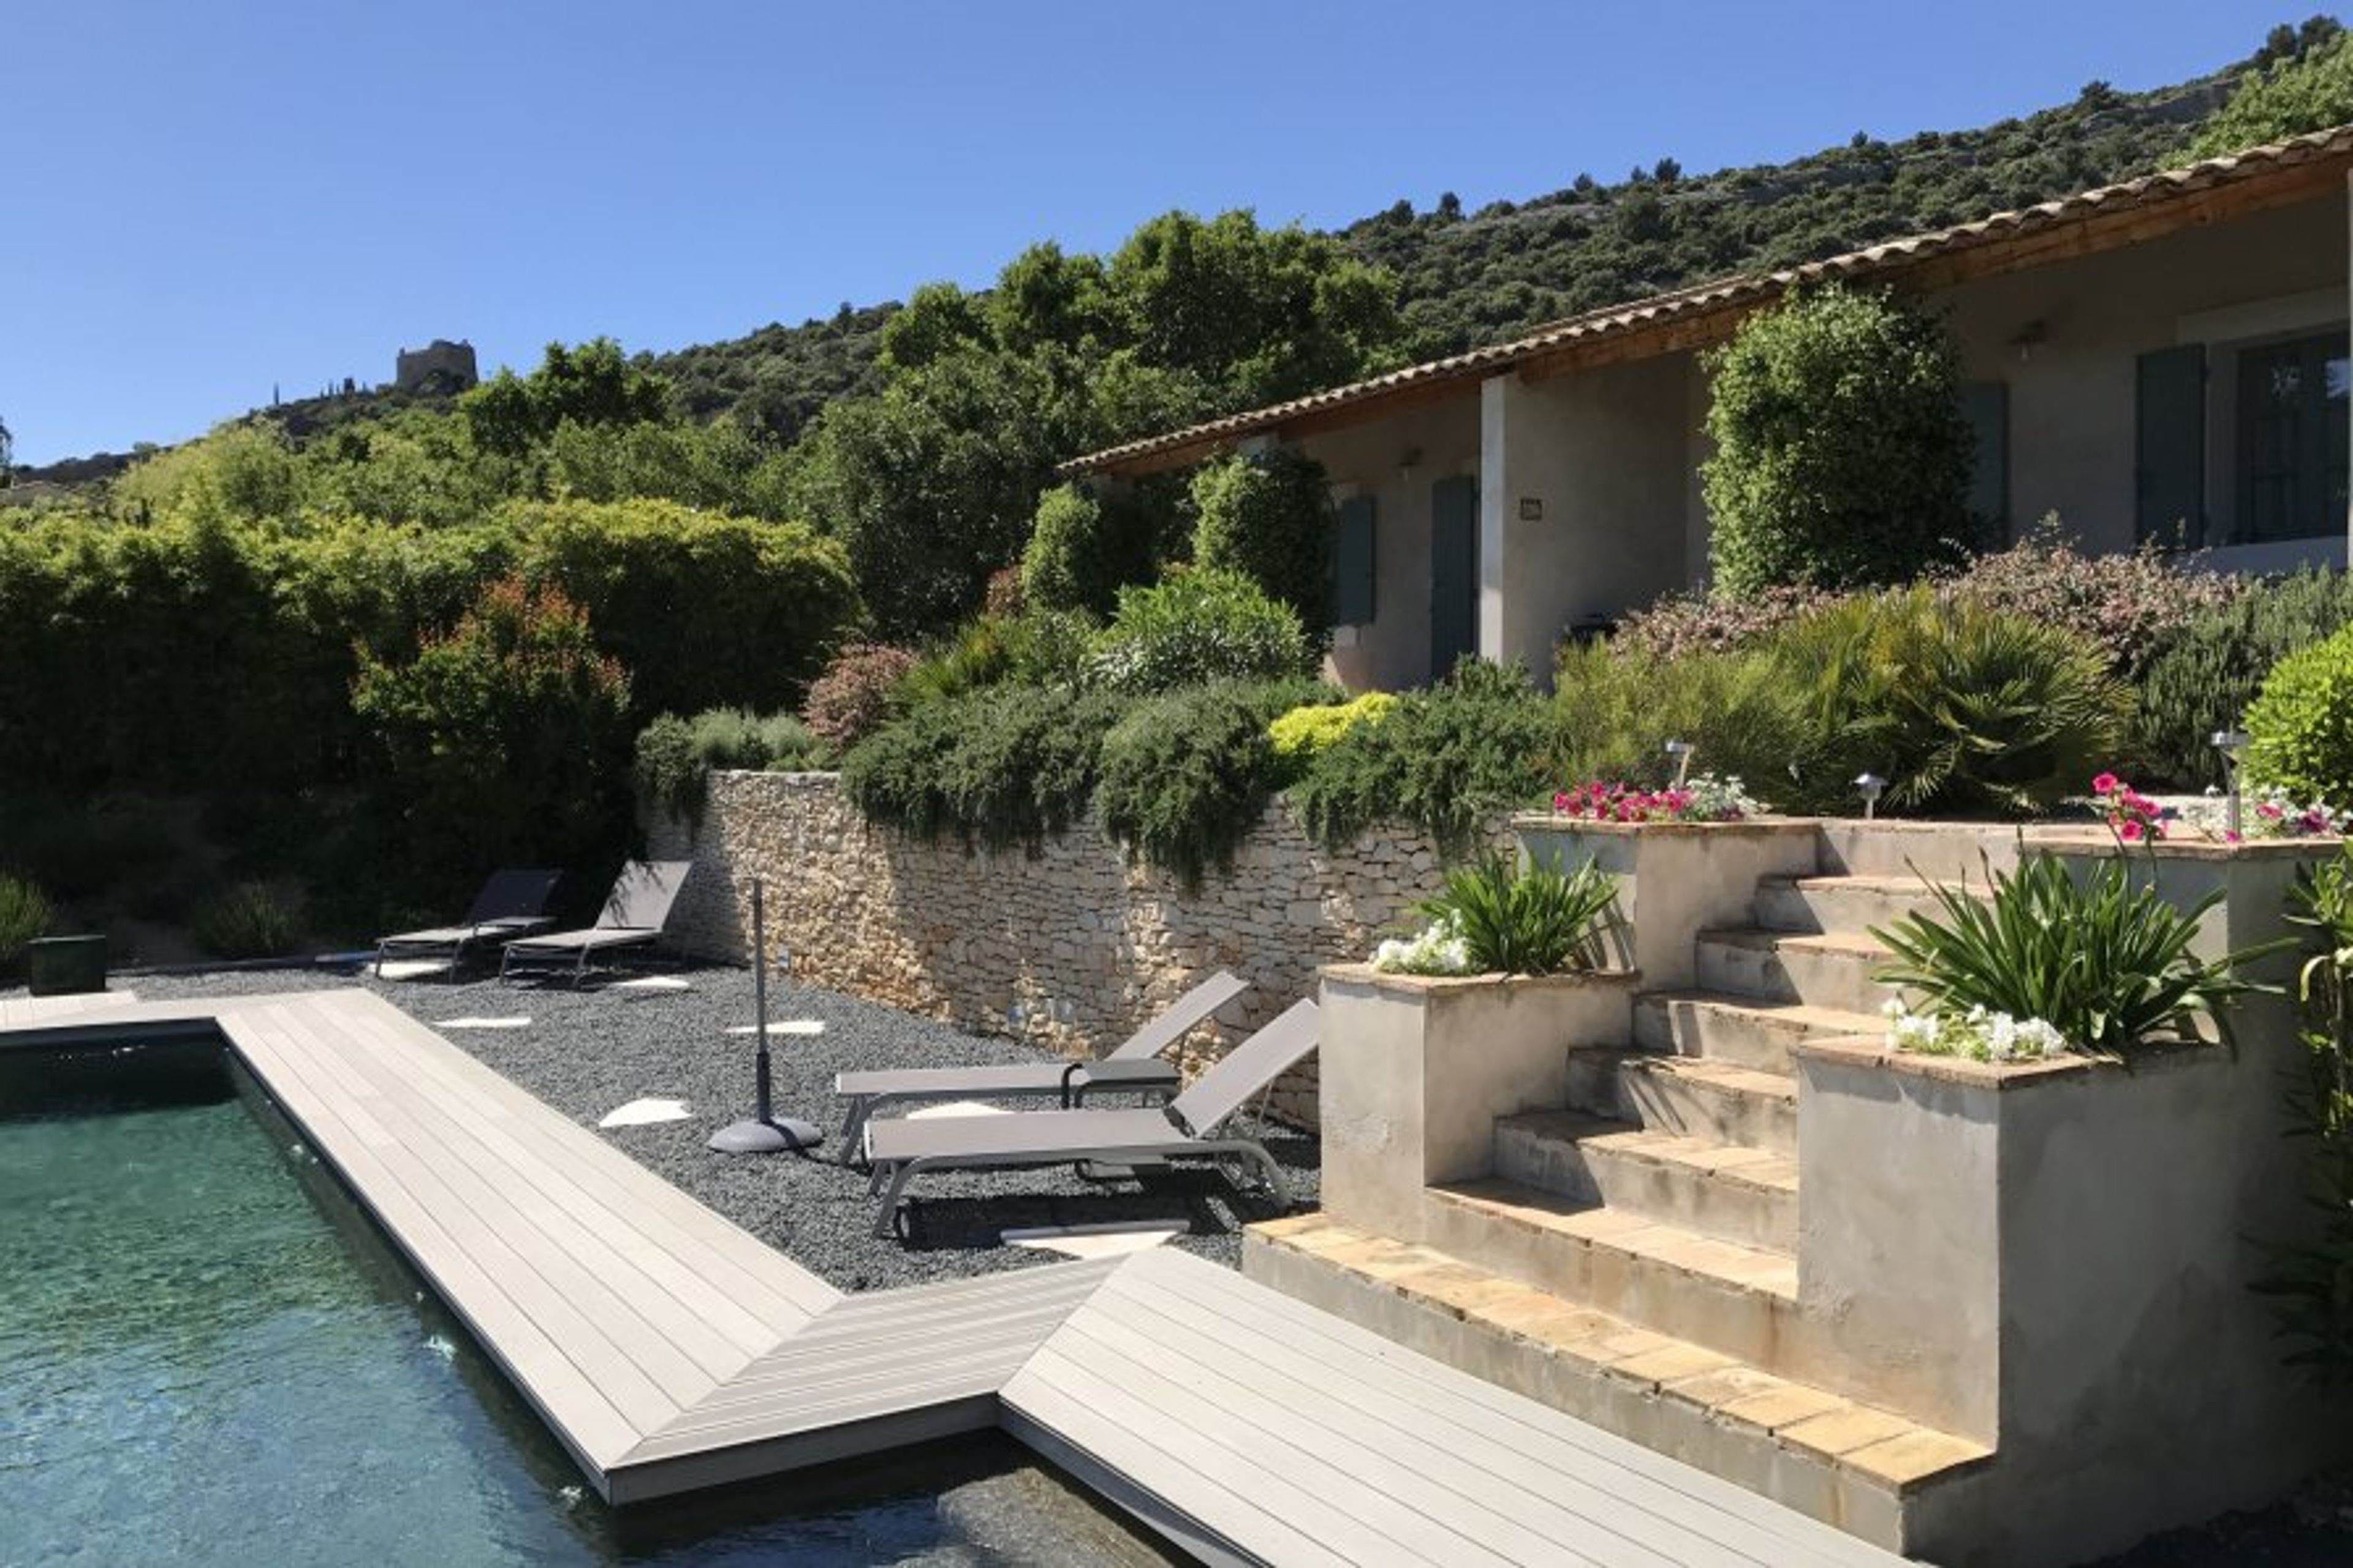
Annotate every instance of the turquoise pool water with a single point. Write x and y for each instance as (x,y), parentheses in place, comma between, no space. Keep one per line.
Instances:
(207,1355)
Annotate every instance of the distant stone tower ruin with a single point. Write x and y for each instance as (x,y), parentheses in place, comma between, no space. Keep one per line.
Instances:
(440,366)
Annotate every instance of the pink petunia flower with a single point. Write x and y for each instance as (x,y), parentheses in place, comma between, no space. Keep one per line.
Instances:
(2129,831)
(2102,782)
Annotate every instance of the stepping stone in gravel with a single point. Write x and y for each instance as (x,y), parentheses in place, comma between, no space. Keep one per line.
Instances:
(645,1114)
(651,986)
(1094,1240)
(413,968)
(783,1026)
(483,1023)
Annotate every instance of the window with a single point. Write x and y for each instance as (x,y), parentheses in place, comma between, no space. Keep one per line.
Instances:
(2294,401)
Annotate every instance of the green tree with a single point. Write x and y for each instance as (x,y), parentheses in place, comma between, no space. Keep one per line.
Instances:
(2310,88)
(1084,548)
(504,741)
(1268,517)
(1841,458)
(929,486)
(591,384)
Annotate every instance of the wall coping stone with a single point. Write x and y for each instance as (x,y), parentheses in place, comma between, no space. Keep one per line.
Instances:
(1437,985)
(1872,1051)
(1746,827)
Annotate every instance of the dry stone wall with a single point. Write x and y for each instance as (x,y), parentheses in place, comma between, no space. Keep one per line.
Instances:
(1070,946)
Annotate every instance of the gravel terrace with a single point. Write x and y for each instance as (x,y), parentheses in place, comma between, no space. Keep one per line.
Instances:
(589,1051)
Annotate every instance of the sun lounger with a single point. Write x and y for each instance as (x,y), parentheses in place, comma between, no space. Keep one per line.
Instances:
(902,1148)
(511,905)
(635,914)
(1139,1067)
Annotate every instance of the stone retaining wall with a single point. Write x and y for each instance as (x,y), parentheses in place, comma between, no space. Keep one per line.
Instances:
(1070,947)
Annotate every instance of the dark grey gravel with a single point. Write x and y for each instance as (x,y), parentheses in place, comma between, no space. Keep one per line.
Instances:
(589,1051)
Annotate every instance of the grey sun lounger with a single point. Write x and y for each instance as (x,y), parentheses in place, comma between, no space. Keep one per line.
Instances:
(635,914)
(1139,1068)
(901,1148)
(512,904)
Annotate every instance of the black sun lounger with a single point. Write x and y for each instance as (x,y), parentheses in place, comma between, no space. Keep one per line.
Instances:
(901,1148)
(1140,1067)
(512,904)
(636,912)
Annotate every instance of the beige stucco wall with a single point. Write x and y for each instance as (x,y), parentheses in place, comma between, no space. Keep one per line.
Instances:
(2072,394)
(1086,946)
(1607,456)
(1395,461)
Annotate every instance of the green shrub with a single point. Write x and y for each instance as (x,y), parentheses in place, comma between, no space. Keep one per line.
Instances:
(504,741)
(2300,725)
(1001,767)
(1039,648)
(2109,964)
(675,756)
(1533,921)
(2309,89)
(1840,457)
(1269,517)
(2207,672)
(1313,727)
(249,921)
(1198,627)
(856,695)
(1616,708)
(702,608)
(1187,774)
(1958,707)
(1084,548)
(24,915)
(1443,759)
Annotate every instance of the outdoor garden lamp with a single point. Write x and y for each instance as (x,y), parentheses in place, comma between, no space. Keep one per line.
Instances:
(2230,742)
(1681,750)
(1872,785)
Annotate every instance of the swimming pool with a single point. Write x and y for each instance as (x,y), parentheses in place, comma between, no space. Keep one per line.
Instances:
(208,1354)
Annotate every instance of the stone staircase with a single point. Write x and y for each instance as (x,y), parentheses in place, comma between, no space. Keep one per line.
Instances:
(1635,1256)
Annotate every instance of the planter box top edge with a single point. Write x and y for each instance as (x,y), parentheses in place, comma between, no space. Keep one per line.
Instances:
(1872,1051)
(1424,985)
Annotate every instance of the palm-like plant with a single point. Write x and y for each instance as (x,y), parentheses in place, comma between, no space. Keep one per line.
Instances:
(1536,920)
(2106,962)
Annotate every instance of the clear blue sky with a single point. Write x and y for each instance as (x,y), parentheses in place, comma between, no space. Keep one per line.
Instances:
(206,200)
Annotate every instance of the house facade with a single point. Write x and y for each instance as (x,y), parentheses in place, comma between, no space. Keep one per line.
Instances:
(2165,360)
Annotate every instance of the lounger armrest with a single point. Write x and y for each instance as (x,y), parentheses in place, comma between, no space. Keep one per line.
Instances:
(1148,1073)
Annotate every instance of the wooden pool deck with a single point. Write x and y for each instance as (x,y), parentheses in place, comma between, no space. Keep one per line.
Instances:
(669,1350)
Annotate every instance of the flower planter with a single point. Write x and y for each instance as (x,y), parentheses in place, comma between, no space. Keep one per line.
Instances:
(1416,1069)
(2055,1258)
(65,966)
(1675,880)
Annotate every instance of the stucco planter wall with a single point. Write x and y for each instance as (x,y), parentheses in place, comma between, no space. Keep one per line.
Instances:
(1416,1070)
(2055,1257)
(1674,879)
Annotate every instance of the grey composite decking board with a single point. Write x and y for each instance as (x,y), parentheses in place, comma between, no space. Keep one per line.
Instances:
(23,1012)
(1367,1378)
(669,1350)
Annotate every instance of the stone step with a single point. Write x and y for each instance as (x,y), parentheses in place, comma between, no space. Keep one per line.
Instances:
(1820,904)
(1713,1101)
(1825,969)
(1744,1031)
(1740,1300)
(1868,1470)
(1723,1191)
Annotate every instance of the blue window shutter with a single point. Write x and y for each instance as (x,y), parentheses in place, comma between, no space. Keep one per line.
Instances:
(2169,462)
(1352,598)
